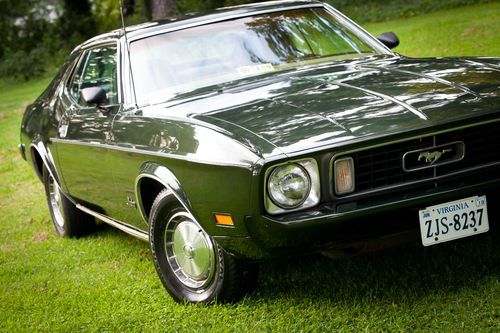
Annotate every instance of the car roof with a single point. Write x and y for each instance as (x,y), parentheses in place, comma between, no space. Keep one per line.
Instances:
(195,19)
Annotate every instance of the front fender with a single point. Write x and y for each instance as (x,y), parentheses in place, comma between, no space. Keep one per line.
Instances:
(164,176)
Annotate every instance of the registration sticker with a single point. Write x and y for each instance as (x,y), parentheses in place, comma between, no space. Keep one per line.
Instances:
(453,220)
(256,69)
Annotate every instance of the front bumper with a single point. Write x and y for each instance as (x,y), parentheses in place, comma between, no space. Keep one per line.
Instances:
(385,217)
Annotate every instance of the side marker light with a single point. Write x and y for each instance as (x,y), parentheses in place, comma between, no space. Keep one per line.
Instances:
(223,219)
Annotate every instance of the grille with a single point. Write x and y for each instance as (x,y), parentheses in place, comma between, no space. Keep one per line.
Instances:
(381,167)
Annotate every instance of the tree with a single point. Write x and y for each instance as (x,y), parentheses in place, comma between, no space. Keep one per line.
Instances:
(162,8)
(77,22)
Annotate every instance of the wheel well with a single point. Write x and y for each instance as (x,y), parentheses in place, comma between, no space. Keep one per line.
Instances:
(37,163)
(149,190)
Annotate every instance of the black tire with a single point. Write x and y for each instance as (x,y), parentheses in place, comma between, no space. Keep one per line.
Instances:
(68,220)
(205,272)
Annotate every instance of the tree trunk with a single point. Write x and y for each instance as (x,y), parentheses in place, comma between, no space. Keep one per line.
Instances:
(162,8)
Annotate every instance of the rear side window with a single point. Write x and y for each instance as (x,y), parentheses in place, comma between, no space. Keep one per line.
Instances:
(97,68)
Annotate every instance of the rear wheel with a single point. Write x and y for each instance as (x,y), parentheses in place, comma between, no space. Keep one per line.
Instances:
(190,264)
(68,220)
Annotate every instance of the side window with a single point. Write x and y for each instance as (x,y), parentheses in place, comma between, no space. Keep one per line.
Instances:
(97,68)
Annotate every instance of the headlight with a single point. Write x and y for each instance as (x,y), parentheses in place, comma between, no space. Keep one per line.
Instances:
(289,185)
(292,186)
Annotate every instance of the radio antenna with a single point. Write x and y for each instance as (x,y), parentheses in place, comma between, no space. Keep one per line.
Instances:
(127,48)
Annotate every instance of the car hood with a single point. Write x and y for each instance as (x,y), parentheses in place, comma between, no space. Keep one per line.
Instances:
(331,104)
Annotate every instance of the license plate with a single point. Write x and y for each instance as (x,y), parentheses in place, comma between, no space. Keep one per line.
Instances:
(453,220)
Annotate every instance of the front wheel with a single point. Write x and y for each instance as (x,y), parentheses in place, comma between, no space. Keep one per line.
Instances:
(190,264)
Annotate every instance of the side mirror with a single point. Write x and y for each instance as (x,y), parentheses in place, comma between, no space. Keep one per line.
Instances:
(94,96)
(389,39)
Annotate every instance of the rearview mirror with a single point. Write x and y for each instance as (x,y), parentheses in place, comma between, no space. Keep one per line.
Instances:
(389,39)
(94,96)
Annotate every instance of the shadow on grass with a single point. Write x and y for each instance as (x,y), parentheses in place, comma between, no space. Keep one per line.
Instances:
(403,274)
(397,275)
(103,230)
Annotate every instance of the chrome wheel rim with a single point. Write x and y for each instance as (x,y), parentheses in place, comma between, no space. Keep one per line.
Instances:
(189,250)
(55,196)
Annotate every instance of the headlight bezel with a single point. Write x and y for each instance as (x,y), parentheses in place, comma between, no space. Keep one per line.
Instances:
(310,167)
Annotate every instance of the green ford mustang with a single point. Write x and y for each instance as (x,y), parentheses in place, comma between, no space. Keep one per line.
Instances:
(261,131)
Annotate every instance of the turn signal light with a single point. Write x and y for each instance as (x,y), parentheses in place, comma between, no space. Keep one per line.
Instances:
(224,219)
(344,175)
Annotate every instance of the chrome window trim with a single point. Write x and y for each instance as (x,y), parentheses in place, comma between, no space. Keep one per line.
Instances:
(83,56)
(374,42)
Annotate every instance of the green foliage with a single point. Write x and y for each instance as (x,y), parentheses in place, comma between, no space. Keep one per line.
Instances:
(187,6)
(34,42)
(359,10)
(107,14)
(31,45)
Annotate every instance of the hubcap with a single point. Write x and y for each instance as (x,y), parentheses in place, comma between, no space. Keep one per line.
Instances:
(56,202)
(190,251)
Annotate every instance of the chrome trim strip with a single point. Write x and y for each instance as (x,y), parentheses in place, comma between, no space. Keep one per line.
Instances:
(335,156)
(454,143)
(220,19)
(150,153)
(138,199)
(427,76)
(167,186)
(372,38)
(46,163)
(485,64)
(406,106)
(119,225)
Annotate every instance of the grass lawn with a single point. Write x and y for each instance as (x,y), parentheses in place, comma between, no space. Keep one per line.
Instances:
(465,31)
(107,282)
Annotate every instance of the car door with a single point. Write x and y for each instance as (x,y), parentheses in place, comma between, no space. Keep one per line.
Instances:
(84,130)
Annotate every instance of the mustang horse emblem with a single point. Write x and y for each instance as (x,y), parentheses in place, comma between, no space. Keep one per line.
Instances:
(432,157)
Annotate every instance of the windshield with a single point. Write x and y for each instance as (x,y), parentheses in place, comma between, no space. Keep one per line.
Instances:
(171,63)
